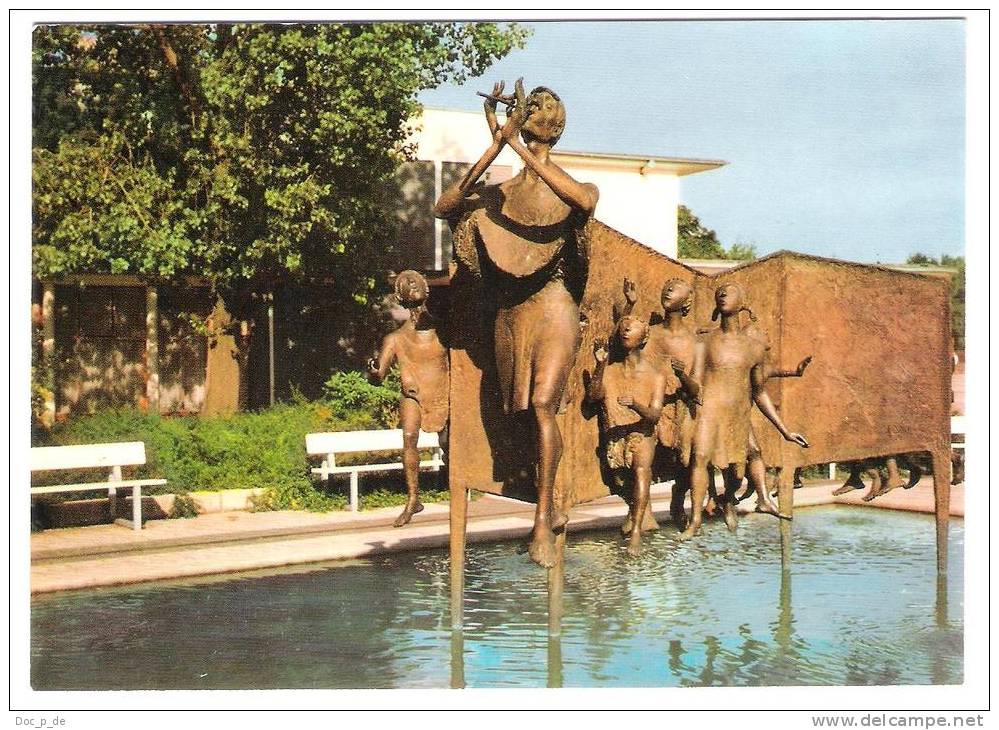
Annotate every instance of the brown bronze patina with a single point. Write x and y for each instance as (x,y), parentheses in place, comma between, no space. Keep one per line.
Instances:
(730,364)
(671,346)
(423,370)
(517,241)
(630,391)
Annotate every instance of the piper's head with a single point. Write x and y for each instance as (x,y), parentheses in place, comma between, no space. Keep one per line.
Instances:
(411,288)
(633,332)
(545,116)
(678,296)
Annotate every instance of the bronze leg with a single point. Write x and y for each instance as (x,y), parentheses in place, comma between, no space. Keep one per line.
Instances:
(699,475)
(409,411)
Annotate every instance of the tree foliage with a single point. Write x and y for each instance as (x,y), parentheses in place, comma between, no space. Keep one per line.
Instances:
(247,153)
(694,241)
(956,290)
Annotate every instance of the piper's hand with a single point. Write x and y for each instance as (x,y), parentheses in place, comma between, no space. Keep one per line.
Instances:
(802,365)
(630,291)
(625,400)
(798,439)
(490,107)
(600,351)
(518,115)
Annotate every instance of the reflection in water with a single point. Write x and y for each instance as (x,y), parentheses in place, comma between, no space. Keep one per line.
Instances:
(457,659)
(554,662)
(718,611)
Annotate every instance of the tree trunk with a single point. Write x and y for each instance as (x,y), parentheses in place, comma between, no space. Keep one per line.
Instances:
(224,385)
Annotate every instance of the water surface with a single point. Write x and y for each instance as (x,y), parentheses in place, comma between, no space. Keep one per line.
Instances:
(861,604)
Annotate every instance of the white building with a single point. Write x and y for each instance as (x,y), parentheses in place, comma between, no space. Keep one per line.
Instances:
(639,194)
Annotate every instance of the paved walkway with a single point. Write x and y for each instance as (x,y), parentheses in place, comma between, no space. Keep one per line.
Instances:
(102,555)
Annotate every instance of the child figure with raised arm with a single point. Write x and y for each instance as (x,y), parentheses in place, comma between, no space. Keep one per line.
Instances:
(423,369)
(631,393)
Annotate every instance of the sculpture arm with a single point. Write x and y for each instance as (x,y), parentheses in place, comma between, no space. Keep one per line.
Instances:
(448,205)
(580,196)
(654,409)
(767,408)
(692,383)
(595,390)
(378,369)
(772,371)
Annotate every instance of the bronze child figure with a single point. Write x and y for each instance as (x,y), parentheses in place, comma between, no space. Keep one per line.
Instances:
(423,369)
(520,240)
(671,347)
(730,364)
(630,392)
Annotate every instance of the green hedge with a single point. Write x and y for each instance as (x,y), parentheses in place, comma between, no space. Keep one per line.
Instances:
(265,449)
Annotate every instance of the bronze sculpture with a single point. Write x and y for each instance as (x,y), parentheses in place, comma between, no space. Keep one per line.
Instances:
(671,347)
(730,364)
(630,392)
(520,239)
(423,369)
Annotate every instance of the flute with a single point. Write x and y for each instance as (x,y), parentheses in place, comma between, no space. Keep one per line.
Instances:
(510,102)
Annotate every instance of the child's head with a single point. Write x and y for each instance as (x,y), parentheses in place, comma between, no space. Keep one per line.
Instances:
(411,288)
(633,332)
(678,296)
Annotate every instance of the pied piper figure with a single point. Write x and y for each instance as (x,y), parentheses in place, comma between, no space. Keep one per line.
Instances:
(520,239)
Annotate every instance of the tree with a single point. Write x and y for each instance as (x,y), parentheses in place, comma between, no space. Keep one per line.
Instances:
(694,241)
(251,154)
(956,291)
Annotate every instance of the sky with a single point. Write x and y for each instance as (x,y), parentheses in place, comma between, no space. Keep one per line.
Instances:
(843,138)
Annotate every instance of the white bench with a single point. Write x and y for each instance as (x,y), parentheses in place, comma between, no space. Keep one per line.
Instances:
(334,444)
(96,456)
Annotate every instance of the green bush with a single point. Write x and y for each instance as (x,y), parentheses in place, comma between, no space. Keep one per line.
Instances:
(350,396)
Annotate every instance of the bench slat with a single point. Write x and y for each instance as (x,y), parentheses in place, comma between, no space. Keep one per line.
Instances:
(349,442)
(87,456)
(368,468)
(98,486)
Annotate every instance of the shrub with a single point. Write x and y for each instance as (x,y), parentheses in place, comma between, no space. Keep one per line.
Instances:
(350,396)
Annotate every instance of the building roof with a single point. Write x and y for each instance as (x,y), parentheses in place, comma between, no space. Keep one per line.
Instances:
(643,163)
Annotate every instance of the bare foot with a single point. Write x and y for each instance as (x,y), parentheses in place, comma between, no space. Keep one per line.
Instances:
(731,520)
(407,514)
(769,508)
(635,544)
(709,507)
(876,490)
(891,484)
(542,548)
